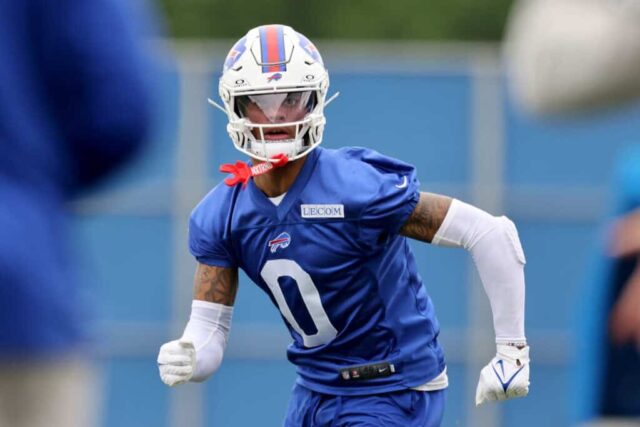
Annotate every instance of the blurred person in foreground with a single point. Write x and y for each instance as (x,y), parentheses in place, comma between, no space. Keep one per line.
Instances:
(625,244)
(324,234)
(73,106)
(620,278)
(569,57)
(607,376)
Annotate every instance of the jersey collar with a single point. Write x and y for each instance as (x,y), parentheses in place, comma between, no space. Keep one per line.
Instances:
(294,191)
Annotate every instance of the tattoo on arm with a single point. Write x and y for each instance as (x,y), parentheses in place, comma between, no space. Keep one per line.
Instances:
(215,284)
(427,217)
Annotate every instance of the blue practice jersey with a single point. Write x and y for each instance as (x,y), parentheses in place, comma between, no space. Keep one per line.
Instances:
(331,260)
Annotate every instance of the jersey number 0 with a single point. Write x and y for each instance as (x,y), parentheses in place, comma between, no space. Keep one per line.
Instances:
(277,268)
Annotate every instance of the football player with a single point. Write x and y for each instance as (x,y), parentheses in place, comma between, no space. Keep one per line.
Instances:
(324,234)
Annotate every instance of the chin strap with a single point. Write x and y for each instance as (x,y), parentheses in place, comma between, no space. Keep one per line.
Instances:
(242,172)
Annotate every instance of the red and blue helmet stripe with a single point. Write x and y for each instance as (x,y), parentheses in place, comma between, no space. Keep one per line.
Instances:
(272,48)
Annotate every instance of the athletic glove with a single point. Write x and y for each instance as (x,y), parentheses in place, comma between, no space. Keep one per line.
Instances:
(177,361)
(506,376)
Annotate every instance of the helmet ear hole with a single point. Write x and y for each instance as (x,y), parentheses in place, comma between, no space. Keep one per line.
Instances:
(224,94)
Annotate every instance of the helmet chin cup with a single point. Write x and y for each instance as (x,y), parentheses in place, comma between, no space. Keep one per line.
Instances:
(267,150)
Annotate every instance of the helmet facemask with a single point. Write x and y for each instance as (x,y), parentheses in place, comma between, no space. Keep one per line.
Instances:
(273,123)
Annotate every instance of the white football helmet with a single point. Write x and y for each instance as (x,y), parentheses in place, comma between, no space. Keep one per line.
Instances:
(273,87)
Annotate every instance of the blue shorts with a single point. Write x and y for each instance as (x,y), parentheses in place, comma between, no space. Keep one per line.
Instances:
(404,408)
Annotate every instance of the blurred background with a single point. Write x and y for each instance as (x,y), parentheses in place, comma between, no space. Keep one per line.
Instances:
(421,81)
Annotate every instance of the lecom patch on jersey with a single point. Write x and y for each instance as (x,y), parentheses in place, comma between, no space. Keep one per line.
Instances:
(322,211)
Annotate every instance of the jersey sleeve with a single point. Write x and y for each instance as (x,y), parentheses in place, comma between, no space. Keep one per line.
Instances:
(209,243)
(394,198)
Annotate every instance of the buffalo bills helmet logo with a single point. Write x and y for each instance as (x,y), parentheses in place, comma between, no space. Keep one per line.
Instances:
(280,242)
(276,77)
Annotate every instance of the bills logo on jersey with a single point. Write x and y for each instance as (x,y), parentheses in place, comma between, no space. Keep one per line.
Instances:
(281,242)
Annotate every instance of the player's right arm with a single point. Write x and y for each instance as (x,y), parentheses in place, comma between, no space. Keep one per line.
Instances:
(198,353)
(216,285)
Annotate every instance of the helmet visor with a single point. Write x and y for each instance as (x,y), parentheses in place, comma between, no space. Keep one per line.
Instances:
(280,107)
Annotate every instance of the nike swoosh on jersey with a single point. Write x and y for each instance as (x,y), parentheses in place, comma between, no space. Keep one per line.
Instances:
(505,385)
(404,182)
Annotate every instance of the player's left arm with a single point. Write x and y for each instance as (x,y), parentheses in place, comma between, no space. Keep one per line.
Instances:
(497,253)
(427,217)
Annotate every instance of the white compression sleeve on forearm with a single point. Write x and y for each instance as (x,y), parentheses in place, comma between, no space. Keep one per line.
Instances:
(499,259)
(208,329)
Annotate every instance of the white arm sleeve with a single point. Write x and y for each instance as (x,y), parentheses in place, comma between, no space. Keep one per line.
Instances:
(499,259)
(208,329)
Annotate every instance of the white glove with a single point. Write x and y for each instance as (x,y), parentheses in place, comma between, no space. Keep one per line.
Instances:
(506,376)
(177,361)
